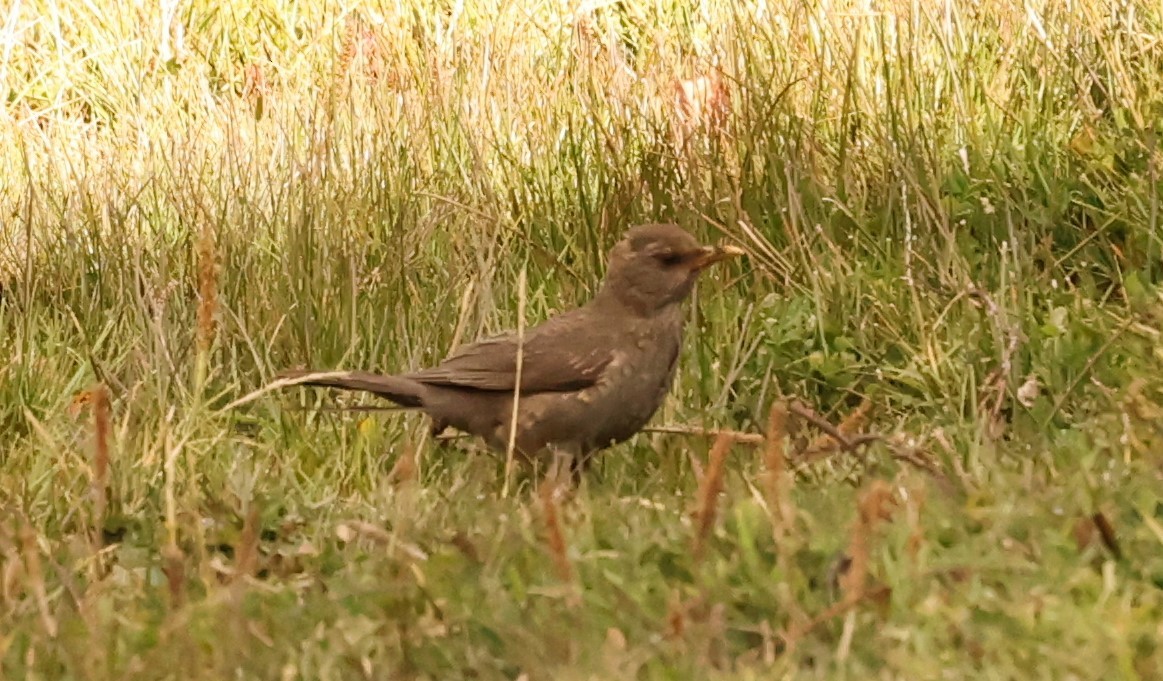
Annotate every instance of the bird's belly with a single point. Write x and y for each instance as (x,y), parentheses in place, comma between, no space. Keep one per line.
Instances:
(628,395)
(634,401)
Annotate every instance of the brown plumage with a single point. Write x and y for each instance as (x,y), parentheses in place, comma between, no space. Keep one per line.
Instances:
(590,377)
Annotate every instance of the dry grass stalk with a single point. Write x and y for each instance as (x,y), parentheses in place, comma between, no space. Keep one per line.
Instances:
(554,534)
(777,483)
(515,412)
(404,471)
(35,578)
(857,419)
(853,422)
(600,54)
(913,507)
(100,482)
(174,567)
(874,507)
(676,617)
(1085,533)
(775,477)
(736,435)
(710,485)
(348,47)
(360,53)
(794,635)
(207,289)
(246,553)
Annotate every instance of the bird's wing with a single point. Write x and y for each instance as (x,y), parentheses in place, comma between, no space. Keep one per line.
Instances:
(557,356)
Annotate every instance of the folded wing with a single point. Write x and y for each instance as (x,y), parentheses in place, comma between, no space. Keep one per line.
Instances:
(556,357)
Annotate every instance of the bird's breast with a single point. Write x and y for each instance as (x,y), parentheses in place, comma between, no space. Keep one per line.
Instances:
(635,383)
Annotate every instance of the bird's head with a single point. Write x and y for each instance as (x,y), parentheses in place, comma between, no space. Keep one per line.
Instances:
(654,266)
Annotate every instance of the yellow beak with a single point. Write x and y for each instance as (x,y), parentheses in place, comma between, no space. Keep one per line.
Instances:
(709,255)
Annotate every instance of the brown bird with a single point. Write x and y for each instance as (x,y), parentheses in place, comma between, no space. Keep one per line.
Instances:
(590,377)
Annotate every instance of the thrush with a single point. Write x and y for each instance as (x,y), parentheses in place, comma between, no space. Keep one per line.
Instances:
(589,378)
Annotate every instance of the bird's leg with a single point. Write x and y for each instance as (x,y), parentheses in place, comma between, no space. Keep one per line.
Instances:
(578,465)
(566,460)
(438,428)
(558,462)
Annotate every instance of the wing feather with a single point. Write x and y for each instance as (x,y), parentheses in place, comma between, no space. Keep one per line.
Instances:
(491,364)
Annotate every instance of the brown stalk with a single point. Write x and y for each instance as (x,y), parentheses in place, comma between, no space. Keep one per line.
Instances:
(100,481)
(404,470)
(359,48)
(676,617)
(857,418)
(873,507)
(776,479)
(347,48)
(795,634)
(710,486)
(174,567)
(207,289)
(735,435)
(464,544)
(1107,531)
(246,553)
(554,535)
(914,505)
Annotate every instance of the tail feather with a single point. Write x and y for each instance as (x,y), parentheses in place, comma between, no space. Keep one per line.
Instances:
(403,391)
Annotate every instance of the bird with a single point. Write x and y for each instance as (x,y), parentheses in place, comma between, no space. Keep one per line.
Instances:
(590,378)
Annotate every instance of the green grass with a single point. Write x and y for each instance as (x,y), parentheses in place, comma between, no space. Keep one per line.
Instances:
(952,212)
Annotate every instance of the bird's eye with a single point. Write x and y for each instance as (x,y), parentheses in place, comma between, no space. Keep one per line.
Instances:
(669,258)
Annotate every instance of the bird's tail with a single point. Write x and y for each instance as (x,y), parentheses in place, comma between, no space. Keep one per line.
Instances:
(403,391)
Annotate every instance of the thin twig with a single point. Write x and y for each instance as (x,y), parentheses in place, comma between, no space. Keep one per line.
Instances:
(280,383)
(844,442)
(735,435)
(838,608)
(512,444)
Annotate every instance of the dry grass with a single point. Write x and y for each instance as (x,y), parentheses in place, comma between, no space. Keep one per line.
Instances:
(710,487)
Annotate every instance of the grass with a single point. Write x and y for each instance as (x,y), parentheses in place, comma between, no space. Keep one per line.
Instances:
(951,215)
